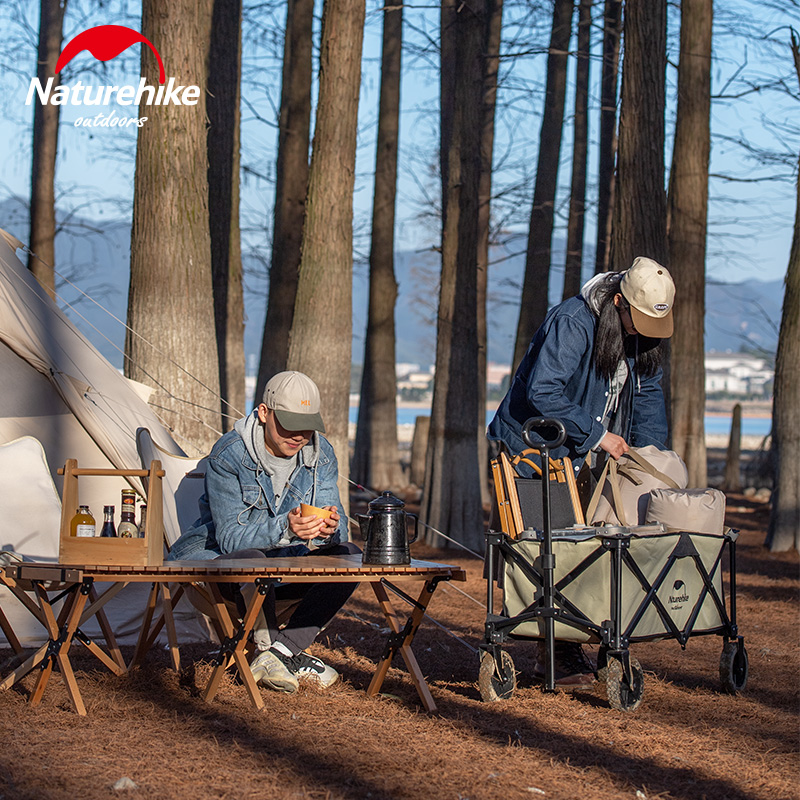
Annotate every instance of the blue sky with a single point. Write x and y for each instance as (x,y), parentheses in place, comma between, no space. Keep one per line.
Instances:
(750,223)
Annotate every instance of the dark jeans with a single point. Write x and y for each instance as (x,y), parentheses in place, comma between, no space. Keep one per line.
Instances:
(314,604)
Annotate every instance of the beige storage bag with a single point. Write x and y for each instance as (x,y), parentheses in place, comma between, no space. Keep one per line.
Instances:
(623,491)
(697,510)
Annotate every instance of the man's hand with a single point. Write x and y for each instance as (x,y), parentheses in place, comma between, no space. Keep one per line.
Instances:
(331,524)
(305,528)
(614,445)
(313,527)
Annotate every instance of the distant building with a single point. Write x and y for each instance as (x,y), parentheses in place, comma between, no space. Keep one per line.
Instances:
(738,374)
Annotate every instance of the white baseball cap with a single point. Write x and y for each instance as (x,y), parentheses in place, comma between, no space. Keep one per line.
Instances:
(649,289)
(294,398)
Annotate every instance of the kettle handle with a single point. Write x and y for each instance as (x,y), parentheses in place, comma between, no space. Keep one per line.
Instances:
(416,527)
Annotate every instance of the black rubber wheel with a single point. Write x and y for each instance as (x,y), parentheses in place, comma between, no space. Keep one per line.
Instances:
(602,664)
(733,667)
(620,695)
(492,688)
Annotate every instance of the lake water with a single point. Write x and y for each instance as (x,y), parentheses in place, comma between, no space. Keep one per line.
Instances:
(751,426)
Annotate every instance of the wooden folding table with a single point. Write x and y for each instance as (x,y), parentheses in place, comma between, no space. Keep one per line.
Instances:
(51,581)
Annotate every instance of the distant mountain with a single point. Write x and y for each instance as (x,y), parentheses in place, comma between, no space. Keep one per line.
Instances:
(95,255)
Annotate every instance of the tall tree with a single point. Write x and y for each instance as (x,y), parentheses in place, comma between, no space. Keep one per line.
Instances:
(580,143)
(291,184)
(640,202)
(42,239)
(784,524)
(534,301)
(224,70)
(491,68)
(170,345)
(376,459)
(451,495)
(688,213)
(320,340)
(612,29)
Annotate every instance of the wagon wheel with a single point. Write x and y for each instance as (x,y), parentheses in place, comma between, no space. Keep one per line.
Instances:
(733,667)
(492,686)
(602,663)
(620,695)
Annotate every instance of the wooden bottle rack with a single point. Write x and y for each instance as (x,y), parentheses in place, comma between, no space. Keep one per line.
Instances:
(79,551)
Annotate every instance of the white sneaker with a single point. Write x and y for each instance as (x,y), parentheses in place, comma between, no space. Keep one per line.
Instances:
(308,667)
(270,670)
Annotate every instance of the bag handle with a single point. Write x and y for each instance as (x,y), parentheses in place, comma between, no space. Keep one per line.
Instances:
(609,474)
(612,471)
(645,465)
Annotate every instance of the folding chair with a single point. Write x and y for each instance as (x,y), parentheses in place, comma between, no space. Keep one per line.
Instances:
(519,499)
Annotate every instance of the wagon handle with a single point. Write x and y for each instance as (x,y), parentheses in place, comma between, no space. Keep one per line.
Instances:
(544,422)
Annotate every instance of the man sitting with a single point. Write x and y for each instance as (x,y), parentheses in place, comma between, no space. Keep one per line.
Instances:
(257,476)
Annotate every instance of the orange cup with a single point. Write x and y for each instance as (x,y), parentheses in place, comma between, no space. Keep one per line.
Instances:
(314,511)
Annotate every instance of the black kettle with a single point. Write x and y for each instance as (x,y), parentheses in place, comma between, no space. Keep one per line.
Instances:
(385,531)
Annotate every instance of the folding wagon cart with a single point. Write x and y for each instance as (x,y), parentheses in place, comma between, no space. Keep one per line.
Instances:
(607,585)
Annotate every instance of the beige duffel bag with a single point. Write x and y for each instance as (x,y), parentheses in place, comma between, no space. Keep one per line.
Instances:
(696,510)
(623,490)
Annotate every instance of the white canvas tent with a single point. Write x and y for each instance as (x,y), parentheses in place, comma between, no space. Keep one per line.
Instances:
(57,388)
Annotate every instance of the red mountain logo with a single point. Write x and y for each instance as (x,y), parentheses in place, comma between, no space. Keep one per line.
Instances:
(105,42)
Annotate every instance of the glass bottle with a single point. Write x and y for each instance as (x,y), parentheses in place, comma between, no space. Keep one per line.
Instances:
(83,523)
(108,529)
(127,527)
(142,519)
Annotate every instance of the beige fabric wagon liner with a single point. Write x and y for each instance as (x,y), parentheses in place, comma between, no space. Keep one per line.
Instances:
(590,592)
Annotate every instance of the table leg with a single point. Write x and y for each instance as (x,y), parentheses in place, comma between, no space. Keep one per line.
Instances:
(143,642)
(23,669)
(61,639)
(167,604)
(96,608)
(233,645)
(8,632)
(400,641)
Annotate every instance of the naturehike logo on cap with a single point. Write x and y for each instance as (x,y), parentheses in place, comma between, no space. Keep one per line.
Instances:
(106,42)
(661,306)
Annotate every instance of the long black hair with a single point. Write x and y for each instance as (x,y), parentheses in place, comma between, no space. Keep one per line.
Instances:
(611,343)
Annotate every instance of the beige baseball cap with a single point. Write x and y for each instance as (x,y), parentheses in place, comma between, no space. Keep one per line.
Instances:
(294,398)
(649,289)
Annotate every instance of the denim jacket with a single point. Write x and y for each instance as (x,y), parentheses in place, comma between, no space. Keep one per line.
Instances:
(557,378)
(238,509)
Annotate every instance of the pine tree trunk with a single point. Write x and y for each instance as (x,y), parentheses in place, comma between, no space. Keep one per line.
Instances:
(42,239)
(224,67)
(784,523)
(577,197)
(376,460)
(320,339)
(640,204)
(451,497)
(494,29)
(291,184)
(170,301)
(688,212)
(612,29)
(533,307)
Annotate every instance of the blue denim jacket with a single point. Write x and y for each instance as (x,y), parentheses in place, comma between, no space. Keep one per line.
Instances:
(238,508)
(556,378)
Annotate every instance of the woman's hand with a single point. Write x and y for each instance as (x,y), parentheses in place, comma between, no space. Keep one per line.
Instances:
(614,445)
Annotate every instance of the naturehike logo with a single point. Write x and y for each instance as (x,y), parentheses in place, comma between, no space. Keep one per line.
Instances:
(106,42)
(679,586)
(661,306)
